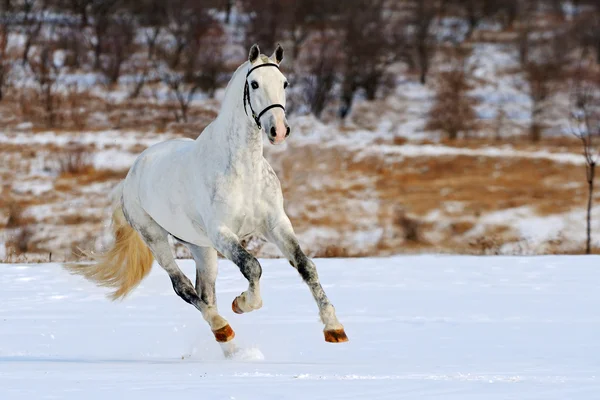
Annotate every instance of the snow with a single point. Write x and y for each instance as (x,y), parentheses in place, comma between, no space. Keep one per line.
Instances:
(34,187)
(412,150)
(539,231)
(423,327)
(98,138)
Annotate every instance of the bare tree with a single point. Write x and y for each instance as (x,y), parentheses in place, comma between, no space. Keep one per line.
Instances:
(211,65)
(45,72)
(322,57)
(423,16)
(101,13)
(453,110)
(228,8)
(6,5)
(587,29)
(152,18)
(117,45)
(541,78)
(308,17)
(369,47)
(80,8)
(72,40)
(526,15)
(5,63)
(182,91)
(184,84)
(543,75)
(33,12)
(474,11)
(188,21)
(585,125)
(267,20)
(290,20)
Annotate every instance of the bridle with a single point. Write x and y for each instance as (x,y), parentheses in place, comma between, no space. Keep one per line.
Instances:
(247,96)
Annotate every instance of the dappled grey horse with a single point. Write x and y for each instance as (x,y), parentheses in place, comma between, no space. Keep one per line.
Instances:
(208,194)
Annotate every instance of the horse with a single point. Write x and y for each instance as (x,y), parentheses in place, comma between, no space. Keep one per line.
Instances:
(209,194)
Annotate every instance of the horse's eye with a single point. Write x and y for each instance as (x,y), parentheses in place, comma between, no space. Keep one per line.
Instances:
(285,85)
(254,85)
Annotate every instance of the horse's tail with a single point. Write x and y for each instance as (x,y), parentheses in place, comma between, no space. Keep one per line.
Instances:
(123,266)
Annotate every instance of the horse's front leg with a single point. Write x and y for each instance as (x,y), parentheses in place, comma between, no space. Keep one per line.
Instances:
(228,244)
(283,236)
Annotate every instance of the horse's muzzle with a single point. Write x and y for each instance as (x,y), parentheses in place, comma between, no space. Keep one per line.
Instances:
(278,132)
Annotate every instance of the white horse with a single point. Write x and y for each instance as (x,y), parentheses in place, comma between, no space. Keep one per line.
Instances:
(208,194)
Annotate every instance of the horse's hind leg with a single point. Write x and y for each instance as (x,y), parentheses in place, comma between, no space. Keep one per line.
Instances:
(157,240)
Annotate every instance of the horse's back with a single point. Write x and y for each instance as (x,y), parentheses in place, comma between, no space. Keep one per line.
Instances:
(155,183)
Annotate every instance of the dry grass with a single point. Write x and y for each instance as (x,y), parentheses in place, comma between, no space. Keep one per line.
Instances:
(76,110)
(53,212)
(349,182)
(481,184)
(19,241)
(332,250)
(14,215)
(96,176)
(74,161)
(404,205)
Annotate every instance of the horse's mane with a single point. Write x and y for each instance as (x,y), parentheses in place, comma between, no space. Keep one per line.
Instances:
(228,89)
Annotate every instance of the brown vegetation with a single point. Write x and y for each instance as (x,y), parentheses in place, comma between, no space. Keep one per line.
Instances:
(421,187)
(453,110)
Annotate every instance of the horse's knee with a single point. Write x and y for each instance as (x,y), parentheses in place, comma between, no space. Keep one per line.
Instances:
(307,269)
(184,289)
(251,268)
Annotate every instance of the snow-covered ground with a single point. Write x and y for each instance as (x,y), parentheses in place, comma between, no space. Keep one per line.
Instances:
(420,327)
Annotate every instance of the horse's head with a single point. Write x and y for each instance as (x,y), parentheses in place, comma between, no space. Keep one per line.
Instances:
(265,93)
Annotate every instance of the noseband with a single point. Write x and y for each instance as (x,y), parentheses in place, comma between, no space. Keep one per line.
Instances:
(247,96)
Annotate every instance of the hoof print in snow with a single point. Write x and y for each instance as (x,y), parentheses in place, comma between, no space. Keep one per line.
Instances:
(335,336)
(224,334)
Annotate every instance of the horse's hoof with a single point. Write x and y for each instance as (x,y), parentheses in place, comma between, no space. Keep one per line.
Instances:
(235,307)
(224,334)
(336,336)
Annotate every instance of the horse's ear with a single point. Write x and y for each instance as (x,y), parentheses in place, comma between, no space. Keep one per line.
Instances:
(254,53)
(278,54)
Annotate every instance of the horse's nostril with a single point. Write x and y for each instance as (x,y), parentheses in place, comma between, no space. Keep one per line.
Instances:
(273,133)
(287,131)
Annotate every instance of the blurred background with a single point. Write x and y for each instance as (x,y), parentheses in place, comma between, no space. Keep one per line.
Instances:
(460,126)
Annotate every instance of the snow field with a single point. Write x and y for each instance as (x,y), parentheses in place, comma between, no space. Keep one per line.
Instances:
(427,326)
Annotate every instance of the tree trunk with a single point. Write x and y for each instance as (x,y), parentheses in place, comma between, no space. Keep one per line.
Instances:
(228,7)
(371,85)
(423,63)
(591,171)
(184,111)
(536,127)
(97,53)
(535,132)
(348,89)
(151,42)
(84,15)
(139,84)
(26,48)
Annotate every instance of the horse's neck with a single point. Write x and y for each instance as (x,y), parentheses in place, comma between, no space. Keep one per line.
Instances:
(233,135)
